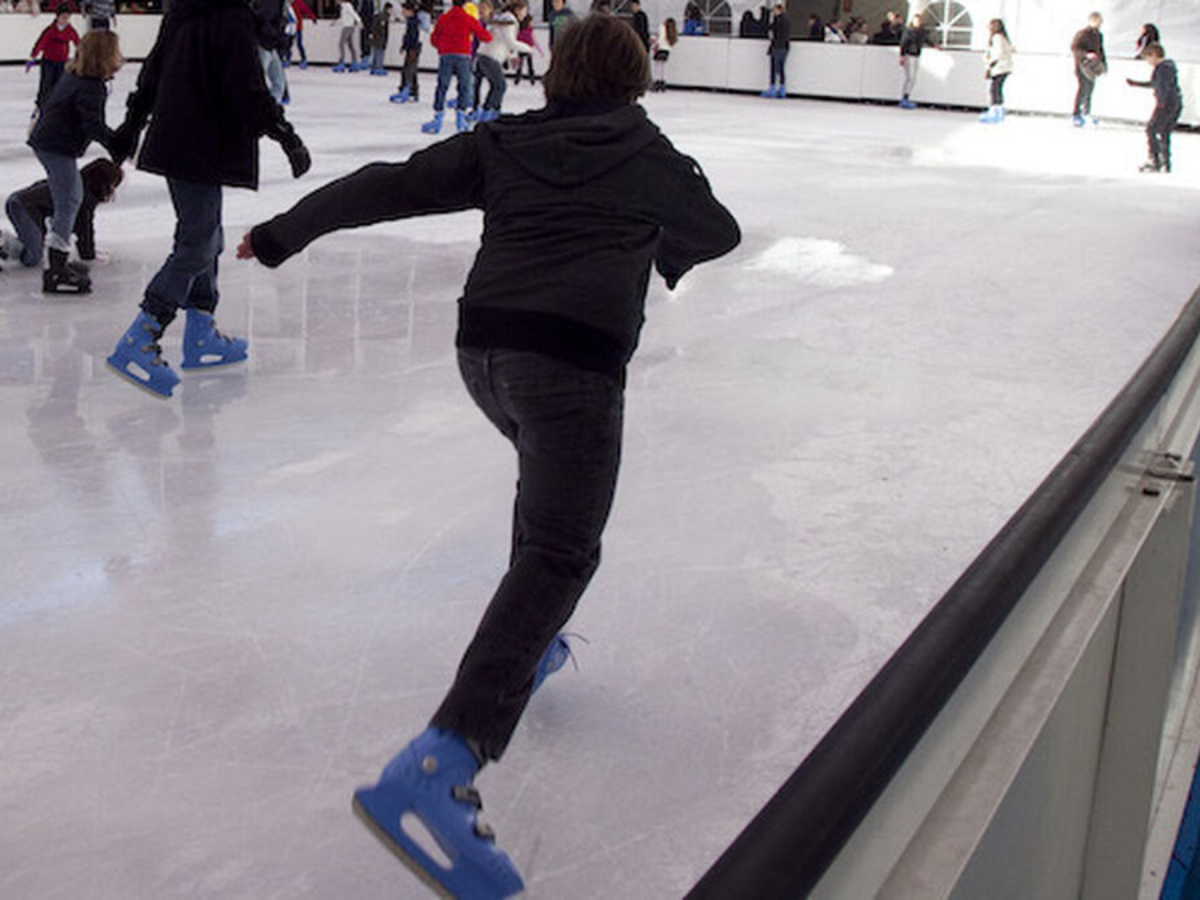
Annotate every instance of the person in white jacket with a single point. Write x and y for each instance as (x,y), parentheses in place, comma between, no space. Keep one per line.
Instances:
(999,61)
(349,21)
(495,53)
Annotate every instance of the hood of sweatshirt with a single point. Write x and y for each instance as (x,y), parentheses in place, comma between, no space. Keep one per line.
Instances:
(569,145)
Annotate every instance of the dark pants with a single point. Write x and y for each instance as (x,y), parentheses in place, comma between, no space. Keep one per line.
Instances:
(188,278)
(29,231)
(565,423)
(49,74)
(1158,135)
(493,71)
(525,62)
(778,65)
(409,77)
(997,89)
(455,65)
(1083,96)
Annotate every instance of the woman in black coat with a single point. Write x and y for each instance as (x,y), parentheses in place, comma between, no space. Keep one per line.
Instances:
(202,91)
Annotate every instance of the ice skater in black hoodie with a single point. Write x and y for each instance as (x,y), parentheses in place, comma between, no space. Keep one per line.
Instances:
(592,189)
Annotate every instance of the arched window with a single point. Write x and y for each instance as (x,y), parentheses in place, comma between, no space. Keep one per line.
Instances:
(949,21)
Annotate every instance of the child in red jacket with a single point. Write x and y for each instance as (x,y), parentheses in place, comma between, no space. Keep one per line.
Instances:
(452,38)
(54,45)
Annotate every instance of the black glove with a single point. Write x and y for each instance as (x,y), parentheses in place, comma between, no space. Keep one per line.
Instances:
(297,154)
(124,142)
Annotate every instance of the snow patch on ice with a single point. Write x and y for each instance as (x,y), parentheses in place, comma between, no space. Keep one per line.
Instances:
(818,261)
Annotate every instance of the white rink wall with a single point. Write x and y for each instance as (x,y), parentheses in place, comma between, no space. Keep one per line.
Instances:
(1042,83)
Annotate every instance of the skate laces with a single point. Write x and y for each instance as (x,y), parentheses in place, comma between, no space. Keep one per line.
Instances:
(468,794)
(153,345)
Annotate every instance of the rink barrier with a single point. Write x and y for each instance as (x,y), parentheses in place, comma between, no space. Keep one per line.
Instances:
(1028,738)
(1042,83)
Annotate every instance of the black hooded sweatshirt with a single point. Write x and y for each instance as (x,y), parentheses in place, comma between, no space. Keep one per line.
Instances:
(578,203)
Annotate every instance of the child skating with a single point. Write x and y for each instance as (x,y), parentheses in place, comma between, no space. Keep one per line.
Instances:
(73,117)
(203,93)
(1167,107)
(349,22)
(416,20)
(589,187)
(451,37)
(53,46)
(32,208)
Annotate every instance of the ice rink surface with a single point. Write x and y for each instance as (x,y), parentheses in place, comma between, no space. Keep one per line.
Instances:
(221,613)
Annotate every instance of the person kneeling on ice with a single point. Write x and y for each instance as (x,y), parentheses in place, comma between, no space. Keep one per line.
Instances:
(31,208)
(590,187)
(203,92)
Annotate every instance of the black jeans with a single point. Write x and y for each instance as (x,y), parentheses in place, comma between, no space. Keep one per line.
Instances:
(1083,96)
(565,423)
(997,89)
(1158,135)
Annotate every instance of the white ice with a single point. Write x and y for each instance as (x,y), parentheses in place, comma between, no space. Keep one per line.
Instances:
(221,613)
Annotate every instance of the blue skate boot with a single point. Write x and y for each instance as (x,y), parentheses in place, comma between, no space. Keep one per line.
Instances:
(462,121)
(401,96)
(434,125)
(205,347)
(340,67)
(431,780)
(552,660)
(138,358)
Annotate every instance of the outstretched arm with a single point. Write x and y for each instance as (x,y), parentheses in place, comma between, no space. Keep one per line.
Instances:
(696,228)
(441,178)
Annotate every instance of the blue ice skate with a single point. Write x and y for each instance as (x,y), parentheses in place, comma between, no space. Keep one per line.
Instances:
(462,121)
(1077,121)
(431,779)
(434,125)
(205,347)
(552,660)
(340,67)
(138,358)
(991,116)
(487,115)
(907,104)
(379,71)
(401,96)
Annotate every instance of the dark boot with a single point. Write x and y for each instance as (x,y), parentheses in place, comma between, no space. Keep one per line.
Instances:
(61,278)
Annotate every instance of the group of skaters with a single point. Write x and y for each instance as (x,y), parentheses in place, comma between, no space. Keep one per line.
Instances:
(1087,50)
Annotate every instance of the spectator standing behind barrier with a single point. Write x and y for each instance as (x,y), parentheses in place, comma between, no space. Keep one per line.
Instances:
(816,28)
(1090,64)
(999,62)
(1148,36)
(890,30)
(559,19)
(667,37)
(1167,107)
(640,22)
(912,42)
(54,47)
(693,19)
(777,52)
(102,14)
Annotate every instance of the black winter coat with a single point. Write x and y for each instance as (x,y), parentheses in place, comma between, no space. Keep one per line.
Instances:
(72,118)
(202,88)
(577,208)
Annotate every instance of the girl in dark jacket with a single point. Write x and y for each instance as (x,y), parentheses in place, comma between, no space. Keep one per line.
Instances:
(72,118)
(591,188)
(202,91)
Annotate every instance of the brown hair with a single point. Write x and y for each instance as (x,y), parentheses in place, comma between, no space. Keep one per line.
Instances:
(672,32)
(100,178)
(1153,49)
(98,56)
(599,57)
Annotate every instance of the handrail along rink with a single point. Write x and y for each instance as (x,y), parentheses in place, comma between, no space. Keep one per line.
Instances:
(1011,746)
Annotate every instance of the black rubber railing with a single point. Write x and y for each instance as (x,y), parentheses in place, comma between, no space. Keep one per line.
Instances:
(788,846)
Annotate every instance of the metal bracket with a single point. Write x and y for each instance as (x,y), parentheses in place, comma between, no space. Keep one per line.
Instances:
(1167,467)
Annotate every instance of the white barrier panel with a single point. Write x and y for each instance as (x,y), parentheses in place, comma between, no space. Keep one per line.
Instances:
(1041,83)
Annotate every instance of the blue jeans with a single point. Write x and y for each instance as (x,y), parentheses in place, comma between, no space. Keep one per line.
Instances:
(29,231)
(565,424)
(377,58)
(272,67)
(66,190)
(778,63)
(189,276)
(458,66)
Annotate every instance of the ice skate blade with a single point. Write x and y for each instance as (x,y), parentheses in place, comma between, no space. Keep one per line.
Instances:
(202,366)
(136,382)
(400,853)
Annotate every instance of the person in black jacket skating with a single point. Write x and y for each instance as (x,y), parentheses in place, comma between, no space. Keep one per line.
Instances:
(1167,107)
(202,91)
(1087,47)
(72,118)
(590,188)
